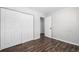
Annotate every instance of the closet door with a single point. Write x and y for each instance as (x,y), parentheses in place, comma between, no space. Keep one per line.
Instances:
(16,28)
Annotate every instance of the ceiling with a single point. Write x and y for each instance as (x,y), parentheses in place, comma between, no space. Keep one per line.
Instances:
(46,10)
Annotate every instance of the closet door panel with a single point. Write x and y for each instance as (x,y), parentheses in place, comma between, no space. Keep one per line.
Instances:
(2,28)
(11,28)
(27,28)
(16,28)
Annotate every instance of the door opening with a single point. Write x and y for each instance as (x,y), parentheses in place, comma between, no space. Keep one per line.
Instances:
(42,27)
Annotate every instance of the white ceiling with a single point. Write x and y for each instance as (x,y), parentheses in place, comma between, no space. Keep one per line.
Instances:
(46,10)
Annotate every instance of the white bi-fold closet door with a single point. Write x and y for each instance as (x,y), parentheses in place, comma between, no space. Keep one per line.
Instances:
(16,28)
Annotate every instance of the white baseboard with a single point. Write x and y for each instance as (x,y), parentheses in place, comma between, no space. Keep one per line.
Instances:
(66,41)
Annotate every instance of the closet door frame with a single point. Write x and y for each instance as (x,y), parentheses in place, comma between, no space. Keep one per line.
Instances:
(19,12)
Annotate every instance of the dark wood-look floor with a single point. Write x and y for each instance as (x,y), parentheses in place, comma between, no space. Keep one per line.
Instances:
(43,44)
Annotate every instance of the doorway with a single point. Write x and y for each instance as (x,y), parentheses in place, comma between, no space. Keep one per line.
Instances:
(42,27)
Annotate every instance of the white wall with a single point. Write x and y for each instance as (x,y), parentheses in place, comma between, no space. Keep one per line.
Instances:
(66,25)
(0,27)
(36,15)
